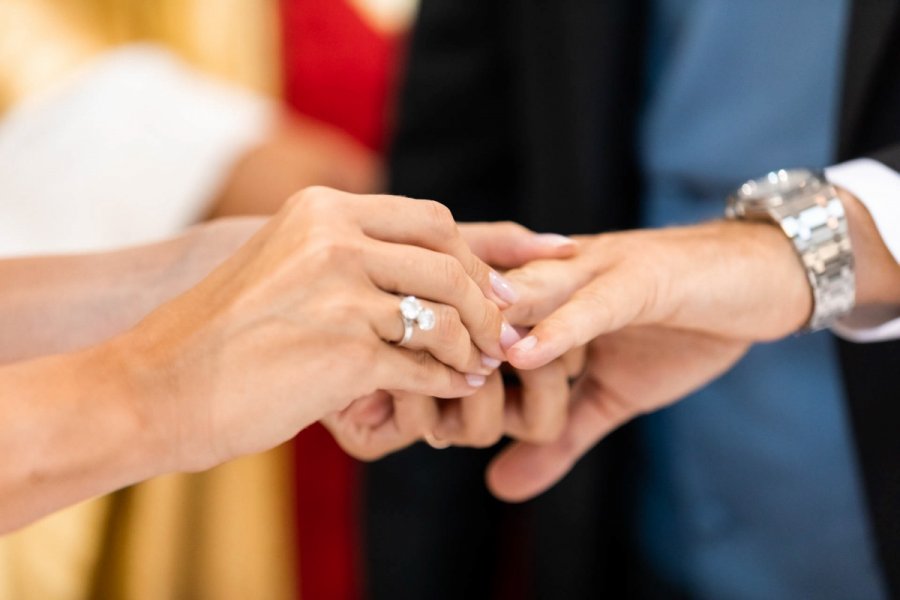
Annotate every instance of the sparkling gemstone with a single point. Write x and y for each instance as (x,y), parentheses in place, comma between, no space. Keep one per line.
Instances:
(426,320)
(410,307)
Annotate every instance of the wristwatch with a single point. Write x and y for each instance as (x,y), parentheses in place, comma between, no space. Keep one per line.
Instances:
(808,210)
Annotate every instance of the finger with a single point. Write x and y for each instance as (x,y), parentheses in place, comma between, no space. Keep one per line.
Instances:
(575,361)
(447,339)
(543,287)
(410,270)
(508,245)
(539,413)
(610,302)
(363,436)
(430,225)
(420,373)
(366,429)
(476,421)
(415,415)
(524,470)
(370,411)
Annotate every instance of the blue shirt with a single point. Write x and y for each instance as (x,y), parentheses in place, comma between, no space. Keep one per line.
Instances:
(751,489)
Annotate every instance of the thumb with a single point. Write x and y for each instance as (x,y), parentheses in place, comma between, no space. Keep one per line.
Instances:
(614,300)
(509,245)
(524,470)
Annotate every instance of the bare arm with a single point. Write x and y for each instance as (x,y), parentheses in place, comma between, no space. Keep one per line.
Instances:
(295,325)
(298,153)
(56,304)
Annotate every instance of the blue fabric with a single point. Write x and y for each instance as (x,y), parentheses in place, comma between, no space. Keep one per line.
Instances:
(751,489)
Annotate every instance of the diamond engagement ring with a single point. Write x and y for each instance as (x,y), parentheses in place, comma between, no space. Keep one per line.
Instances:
(413,314)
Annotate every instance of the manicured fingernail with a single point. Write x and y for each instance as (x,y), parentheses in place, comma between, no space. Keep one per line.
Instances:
(489,362)
(508,336)
(503,288)
(526,344)
(475,380)
(554,240)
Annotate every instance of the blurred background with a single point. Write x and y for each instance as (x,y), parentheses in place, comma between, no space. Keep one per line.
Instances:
(123,121)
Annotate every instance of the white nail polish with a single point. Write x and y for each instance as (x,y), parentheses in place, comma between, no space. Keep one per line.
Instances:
(476,381)
(526,345)
(554,240)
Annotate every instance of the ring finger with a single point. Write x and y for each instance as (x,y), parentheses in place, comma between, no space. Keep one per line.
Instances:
(441,334)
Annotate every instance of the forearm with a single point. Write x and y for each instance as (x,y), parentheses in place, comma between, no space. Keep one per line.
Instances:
(298,153)
(56,304)
(73,429)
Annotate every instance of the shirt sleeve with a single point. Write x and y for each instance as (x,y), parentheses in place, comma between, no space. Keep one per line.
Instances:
(878,188)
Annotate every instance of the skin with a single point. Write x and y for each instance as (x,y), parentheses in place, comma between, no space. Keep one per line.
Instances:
(308,303)
(661,313)
(57,304)
(387,421)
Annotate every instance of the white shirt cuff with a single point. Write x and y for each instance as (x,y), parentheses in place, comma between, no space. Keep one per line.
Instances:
(878,188)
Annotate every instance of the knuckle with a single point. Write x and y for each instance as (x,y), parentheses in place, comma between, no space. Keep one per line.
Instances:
(327,250)
(598,299)
(455,278)
(491,318)
(485,436)
(448,328)
(311,199)
(512,228)
(441,217)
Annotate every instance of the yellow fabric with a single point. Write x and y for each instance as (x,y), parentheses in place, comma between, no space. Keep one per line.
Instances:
(224,534)
(42,41)
(55,557)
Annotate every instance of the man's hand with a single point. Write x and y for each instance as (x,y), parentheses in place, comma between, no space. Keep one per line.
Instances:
(661,313)
(630,372)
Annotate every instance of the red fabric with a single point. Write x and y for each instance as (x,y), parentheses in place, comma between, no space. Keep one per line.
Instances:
(338,70)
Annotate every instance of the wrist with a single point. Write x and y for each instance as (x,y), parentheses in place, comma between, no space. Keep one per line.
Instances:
(873,259)
(144,386)
(189,258)
(739,278)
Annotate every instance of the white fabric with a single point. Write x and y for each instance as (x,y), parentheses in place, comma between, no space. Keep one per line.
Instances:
(878,188)
(128,150)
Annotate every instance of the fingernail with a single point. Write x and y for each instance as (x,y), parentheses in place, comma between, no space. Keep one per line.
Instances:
(489,362)
(554,240)
(503,288)
(526,344)
(508,336)
(475,380)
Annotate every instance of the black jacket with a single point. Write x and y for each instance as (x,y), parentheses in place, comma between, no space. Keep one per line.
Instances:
(527,110)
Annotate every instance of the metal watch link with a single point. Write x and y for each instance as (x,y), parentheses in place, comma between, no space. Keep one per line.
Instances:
(808,210)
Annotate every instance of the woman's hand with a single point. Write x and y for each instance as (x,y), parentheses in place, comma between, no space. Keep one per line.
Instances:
(536,411)
(302,320)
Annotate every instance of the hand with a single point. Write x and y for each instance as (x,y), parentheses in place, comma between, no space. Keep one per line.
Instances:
(663,312)
(385,422)
(629,372)
(299,323)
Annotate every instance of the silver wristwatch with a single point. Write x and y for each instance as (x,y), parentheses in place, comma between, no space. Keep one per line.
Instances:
(810,213)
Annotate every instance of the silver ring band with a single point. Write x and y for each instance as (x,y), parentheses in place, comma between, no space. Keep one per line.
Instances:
(408,329)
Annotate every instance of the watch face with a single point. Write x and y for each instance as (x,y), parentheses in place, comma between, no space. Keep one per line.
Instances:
(767,192)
